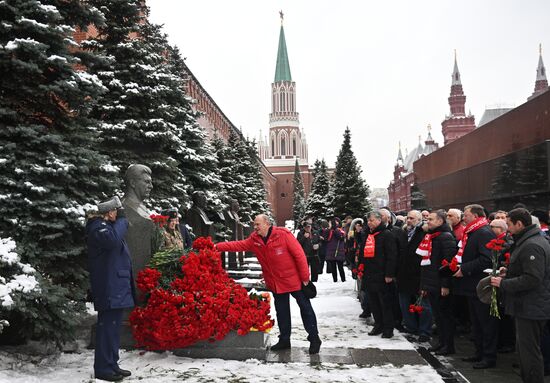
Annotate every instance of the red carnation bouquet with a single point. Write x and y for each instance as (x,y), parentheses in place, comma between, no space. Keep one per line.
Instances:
(359,271)
(417,307)
(495,245)
(157,239)
(198,301)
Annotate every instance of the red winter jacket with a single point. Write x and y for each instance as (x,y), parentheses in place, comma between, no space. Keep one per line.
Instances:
(284,264)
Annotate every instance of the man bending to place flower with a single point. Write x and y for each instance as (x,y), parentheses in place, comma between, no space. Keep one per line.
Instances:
(285,270)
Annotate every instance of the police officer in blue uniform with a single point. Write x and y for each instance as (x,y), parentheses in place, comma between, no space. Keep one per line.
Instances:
(111,284)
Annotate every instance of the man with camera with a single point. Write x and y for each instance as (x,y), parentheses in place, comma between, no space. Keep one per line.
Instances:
(111,279)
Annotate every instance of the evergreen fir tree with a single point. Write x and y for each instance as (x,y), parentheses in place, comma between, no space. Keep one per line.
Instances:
(299,204)
(255,185)
(49,171)
(418,198)
(145,113)
(240,172)
(350,190)
(197,160)
(317,201)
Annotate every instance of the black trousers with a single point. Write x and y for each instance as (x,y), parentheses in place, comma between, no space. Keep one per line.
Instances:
(528,337)
(484,329)
(107,341)
(443,312)
(282,309)
(332,265)
(313,263)
(381,306)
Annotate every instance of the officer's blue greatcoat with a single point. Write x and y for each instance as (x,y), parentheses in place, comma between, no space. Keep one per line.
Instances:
(110,265)
(112,288)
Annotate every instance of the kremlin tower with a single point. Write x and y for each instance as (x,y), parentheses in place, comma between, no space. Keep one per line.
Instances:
(286,142)
(457,124)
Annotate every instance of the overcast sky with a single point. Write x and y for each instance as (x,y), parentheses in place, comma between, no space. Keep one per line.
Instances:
(383,68)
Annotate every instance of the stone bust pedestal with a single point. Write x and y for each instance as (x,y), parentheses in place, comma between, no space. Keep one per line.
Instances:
(140,230)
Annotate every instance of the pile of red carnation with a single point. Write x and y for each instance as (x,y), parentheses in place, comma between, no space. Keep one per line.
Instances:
(200,303)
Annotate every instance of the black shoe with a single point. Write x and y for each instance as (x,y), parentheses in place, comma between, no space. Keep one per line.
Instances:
(110,378)
(124,373)
(281,345)
(474,358)
(376,331)
(314,345)
(484,364)
(423,338)
(364,315)
(435,348)
(387,334)
(445,351)
(399,327)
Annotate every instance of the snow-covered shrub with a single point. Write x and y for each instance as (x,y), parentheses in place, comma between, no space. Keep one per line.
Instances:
(17,281)
(18,278)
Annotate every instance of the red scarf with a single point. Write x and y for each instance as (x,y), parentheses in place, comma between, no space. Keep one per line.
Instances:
(425,248)
(470,228)
(370,246)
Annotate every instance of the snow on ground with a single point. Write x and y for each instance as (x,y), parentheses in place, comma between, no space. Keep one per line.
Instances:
(337,312)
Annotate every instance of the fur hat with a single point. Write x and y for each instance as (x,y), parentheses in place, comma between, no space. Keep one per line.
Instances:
(171,213)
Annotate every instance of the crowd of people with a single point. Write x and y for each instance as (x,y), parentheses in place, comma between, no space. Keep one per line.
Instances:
(425,273)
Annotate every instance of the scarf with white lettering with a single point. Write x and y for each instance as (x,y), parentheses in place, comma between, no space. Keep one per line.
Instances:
(425,248)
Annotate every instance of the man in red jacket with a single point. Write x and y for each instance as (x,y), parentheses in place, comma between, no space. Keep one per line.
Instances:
(285,270)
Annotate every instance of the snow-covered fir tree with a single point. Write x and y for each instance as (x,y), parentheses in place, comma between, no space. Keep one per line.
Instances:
(317,201)
(146,116)
(231,157)
(299,204)
(255,187)
(350,189)
(50,172)
(239,169)
(197,161)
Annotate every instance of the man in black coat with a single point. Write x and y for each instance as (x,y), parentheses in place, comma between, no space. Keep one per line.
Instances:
(408,279)
(474,257)
(400,237)
(526,285)
(378,253)
(436,286)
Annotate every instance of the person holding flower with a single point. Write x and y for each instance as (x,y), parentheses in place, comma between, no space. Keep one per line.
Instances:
(506,331)
(438,245)
(526,286)
(473,257)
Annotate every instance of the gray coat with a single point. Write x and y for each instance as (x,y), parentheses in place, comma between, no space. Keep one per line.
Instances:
(527,282)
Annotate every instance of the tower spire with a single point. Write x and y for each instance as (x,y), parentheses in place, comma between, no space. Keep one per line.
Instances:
(456,73)
(457,123)
(541,70)
(282,70)
(541,83)
(399,155)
